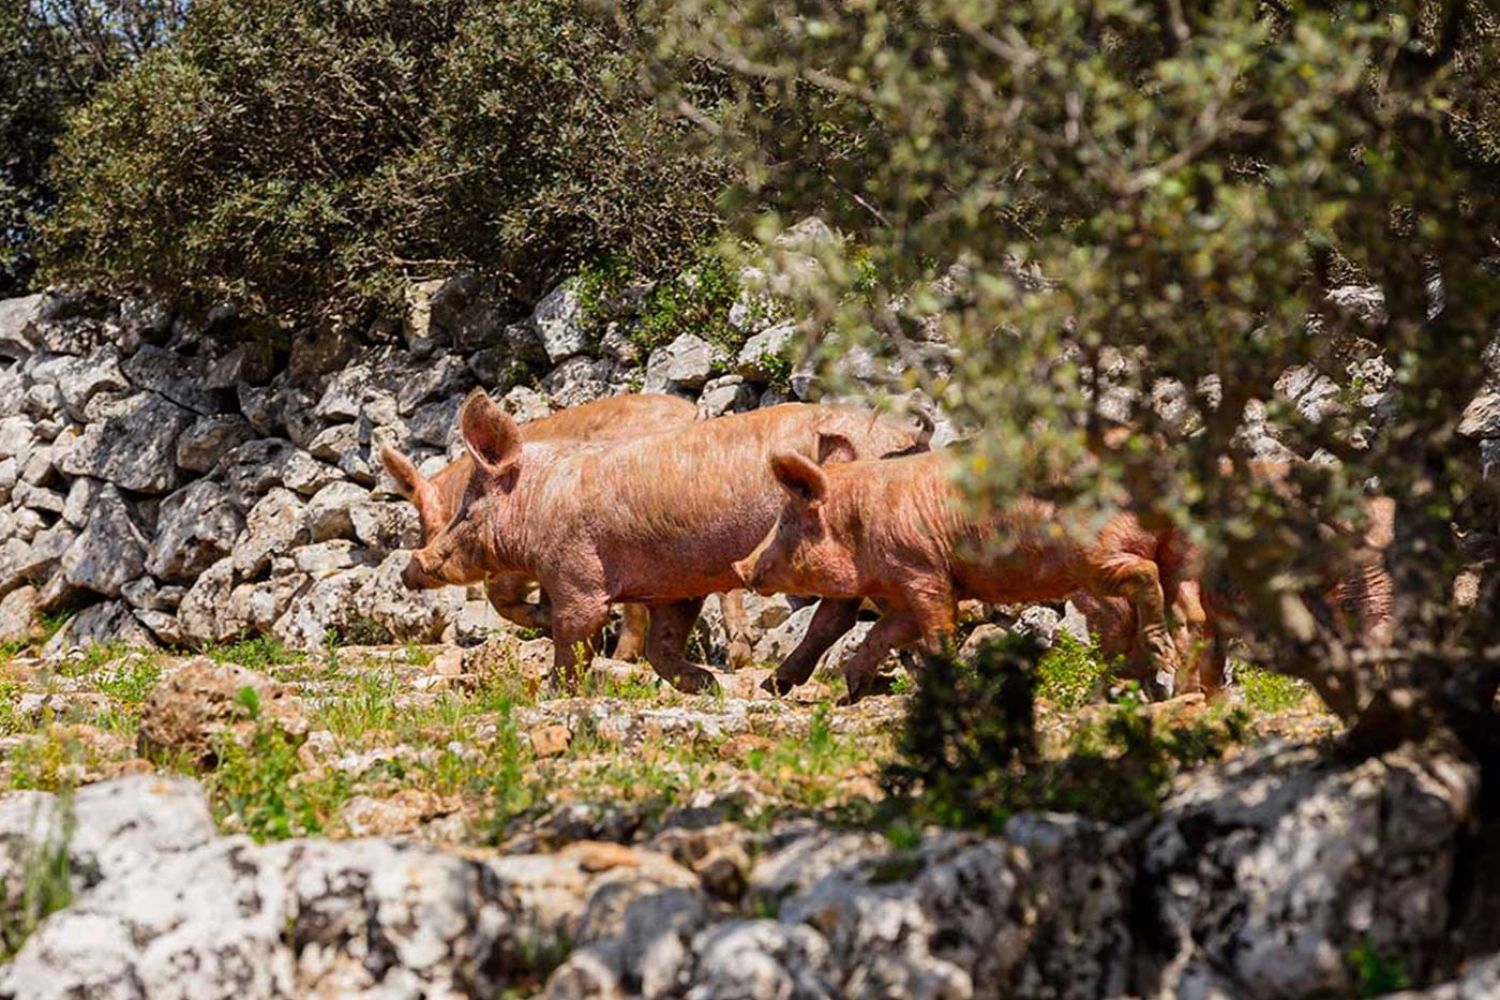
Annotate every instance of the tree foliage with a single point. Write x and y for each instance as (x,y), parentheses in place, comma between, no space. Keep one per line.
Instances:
(53,53)
(1106,207)
(309,159)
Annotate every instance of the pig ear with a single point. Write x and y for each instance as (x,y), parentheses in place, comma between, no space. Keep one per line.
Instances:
(488,431)
(834,448)
(409,481)
(800,477)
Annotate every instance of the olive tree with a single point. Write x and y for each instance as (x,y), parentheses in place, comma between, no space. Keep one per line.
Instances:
(1138,216)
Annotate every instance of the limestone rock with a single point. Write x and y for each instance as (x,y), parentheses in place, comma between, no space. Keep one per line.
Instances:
(98,624)
(172,375)
(409,616)
(578,380)
(191,706)
(16,318)
(1307,858)
(131,443)
(685,363)
(727,394)
(202,611)
(1481,418)
(110,552)
(357,919)
(327,513)
(558,320)
(255,607)
(384,527)
(195,528)
(274,526)
(209,439)
(330,604)
(79,380)
(18,615)
(768,353)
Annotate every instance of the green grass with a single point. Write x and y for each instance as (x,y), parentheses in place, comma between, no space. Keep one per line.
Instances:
(255,653)
(1266,691)
(809,770)
(52,760)
(46,887)
(418,656)
(132,680)
(1071,672)
(262,789)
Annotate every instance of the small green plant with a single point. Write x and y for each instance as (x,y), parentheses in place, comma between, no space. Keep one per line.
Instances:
(1071,673)
(46,887)
(10,718)
(810,769)
(255,653)
(53,760)
(1266,691)
(369,706)
(95,655)
(508,755)
(418,656)
(131,680)
(695,301)
(969,756)
(261,789)
(1376,972)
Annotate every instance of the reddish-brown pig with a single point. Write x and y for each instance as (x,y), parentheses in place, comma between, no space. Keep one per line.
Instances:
(897,531)
(1361,595)
(657,520)
(611,419)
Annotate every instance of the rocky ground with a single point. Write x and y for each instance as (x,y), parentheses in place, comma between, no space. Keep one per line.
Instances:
(424,821)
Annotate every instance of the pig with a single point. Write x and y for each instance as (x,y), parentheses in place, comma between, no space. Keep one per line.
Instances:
(1361,596)
(658,519)
(609,419)
(898,531)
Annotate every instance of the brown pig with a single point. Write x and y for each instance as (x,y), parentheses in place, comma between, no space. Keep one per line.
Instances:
(1361,596)
(897,531)
(657,520)
(611,419)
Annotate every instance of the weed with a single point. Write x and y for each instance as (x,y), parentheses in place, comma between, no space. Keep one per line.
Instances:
(11,721)
(1071,672)
(810,770)
(46,887)
(419,656)
(95,655)
(132,680)
(256,653)
(508,755)
(1376,972)
(53,760)
(1266,691)
(369,707)
(261,789)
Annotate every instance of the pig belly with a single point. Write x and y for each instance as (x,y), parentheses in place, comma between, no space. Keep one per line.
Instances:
(1014,580)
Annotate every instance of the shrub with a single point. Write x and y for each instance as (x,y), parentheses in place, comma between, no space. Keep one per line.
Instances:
(309,159)
(968,754)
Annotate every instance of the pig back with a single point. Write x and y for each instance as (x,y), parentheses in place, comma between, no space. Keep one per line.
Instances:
(670,513)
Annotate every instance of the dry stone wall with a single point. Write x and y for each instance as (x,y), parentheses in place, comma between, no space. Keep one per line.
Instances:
(179,482)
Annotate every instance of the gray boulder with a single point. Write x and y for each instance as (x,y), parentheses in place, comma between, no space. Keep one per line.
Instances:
(79,380)
(16,319)
(195,528)
(386,526)
(208,439)
(726,394)
(768,353)
(409,616)
(274,526)
(110,552)
(330,604)
(176,376)
(132,444)
(1262,875)
(685,364)
(98,624)
(202,614)
(558,321)
(327,514)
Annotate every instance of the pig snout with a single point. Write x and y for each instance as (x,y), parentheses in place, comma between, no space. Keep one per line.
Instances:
(415,577)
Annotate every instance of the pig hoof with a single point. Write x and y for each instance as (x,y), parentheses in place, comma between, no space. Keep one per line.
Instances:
(739,654)
(694,680)
(777,686)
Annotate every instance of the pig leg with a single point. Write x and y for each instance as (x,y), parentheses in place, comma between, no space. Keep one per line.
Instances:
(576,625)
(894,630)
(666,640)
(1138,580)
(736,628)
(832,619)
(507,593)
(632,632)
